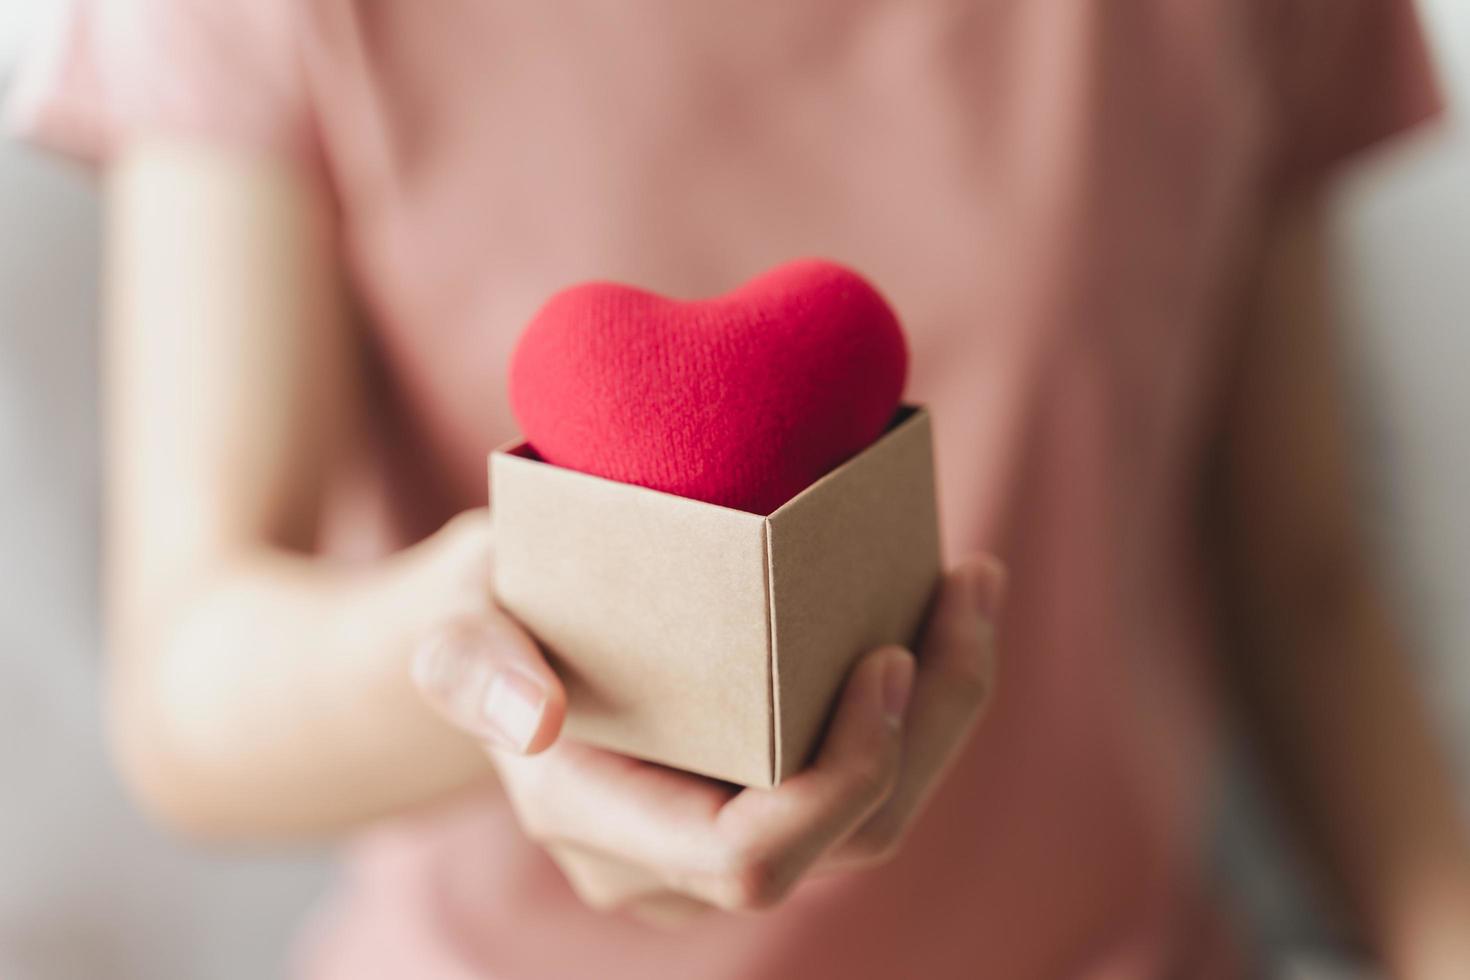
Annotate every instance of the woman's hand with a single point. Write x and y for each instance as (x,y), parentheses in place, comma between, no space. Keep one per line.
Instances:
(662,843)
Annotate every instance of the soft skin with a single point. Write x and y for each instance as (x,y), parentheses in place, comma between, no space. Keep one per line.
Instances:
(216,615)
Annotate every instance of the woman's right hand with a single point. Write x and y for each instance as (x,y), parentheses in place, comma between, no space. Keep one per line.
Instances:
(477,667)
(664,843)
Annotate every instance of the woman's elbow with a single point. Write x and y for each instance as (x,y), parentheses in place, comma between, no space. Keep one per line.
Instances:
(155,773)
(159,750)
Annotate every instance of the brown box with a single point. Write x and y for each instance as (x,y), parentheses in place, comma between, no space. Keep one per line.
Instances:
(706,638)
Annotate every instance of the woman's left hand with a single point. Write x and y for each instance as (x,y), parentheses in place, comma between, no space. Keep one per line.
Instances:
(665,845)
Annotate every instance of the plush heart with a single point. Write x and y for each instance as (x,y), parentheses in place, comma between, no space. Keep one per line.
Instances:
(742,400)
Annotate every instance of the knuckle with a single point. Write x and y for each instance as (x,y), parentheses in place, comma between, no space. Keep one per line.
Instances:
(672,912)
(535,826)
(591,897)
(589,892)
(876,842)
(969,675)
(467,524)
(753,883)
(535,819)
(458,631)
(874,778)
(463,555)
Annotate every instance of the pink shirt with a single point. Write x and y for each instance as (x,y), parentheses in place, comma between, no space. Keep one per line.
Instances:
(1057,196)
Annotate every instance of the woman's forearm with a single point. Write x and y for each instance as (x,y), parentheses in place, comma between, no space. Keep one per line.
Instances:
(1348,736)
(253,691)
(276,700)
(1322,667)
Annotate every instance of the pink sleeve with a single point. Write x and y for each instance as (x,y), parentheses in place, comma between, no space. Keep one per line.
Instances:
(1346,74)
(222,71)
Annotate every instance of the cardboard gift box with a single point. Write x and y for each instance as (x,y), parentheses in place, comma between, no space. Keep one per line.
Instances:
(710,639)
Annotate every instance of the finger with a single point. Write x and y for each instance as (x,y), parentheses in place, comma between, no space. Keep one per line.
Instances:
(450,571)
(780,833)
(669,910)
(602,882)
(732,850)
(952,690)
(607,884)
(487,676)
(633,811)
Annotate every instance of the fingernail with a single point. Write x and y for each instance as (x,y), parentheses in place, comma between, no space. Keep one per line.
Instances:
(500,704)
(985,582)
(512,709)
(898,684)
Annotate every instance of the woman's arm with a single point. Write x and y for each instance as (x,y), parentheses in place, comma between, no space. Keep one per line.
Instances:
(257,692)
(1324,676)
(254,690)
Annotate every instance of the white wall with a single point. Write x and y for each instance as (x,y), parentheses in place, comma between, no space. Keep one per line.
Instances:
(87,890)
(17,22)
(1404,249)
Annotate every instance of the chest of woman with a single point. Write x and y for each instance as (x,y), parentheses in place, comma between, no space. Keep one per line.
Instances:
(1031,184)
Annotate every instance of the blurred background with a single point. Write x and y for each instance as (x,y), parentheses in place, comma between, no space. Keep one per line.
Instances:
(88,890)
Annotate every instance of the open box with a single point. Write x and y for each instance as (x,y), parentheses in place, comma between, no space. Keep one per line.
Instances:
(710,639)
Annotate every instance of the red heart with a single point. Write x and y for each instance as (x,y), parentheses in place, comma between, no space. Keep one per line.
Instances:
(742,400)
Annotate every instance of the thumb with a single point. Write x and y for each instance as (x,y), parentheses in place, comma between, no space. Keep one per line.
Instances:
(486,675)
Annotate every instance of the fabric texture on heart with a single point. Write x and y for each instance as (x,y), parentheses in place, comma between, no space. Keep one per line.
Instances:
(741,400)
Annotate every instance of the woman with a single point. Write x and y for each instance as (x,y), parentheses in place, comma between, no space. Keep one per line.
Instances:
(1101,226)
